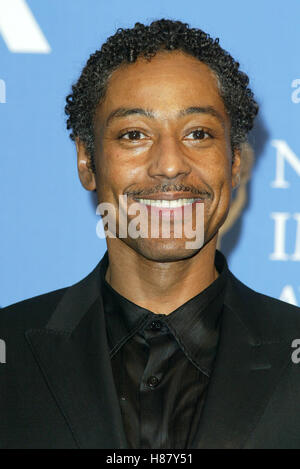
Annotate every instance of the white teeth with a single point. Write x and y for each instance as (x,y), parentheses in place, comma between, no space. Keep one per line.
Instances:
(167,203)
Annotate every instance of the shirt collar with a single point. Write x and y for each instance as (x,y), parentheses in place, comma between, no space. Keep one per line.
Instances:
(195,324)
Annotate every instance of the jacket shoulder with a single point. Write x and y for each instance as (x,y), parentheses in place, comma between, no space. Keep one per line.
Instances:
(32,312)
(273,317)
(35,312)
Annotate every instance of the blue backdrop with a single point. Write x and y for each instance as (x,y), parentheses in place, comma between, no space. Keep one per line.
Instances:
(48,222)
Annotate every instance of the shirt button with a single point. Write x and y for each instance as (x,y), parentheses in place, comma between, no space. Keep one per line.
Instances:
(156,325)
(153,381)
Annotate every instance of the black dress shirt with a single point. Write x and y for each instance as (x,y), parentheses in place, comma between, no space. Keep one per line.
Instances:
(162,363)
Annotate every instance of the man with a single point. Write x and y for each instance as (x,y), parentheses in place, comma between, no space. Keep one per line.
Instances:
(160,346)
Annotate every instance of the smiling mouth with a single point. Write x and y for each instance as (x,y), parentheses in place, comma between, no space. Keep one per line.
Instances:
(164,204)
(168,208)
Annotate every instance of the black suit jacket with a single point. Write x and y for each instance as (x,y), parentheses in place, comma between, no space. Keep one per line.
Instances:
(57,388)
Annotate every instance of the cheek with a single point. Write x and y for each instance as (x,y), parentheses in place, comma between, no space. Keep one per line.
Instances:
(217,170)
(106,177)
(115,173)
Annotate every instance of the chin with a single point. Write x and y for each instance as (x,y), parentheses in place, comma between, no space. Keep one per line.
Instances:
(162,250)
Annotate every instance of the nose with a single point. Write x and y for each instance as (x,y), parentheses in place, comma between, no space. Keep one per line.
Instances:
(167,159)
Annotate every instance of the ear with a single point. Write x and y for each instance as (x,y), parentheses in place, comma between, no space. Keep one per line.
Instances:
(236,168)
(86,175)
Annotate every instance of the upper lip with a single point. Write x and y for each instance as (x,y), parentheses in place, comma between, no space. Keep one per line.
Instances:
(172,196)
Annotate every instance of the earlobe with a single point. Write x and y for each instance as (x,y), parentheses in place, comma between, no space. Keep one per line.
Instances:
(86,175)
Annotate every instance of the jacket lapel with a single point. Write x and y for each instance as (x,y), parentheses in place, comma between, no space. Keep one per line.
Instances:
(75,363)
(246,372)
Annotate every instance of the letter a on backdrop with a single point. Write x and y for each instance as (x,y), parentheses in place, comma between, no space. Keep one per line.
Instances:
(20,30)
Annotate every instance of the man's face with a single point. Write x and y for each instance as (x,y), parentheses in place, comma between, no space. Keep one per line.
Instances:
(162,129)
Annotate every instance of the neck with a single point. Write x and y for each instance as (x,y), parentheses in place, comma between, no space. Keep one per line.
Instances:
(160,287)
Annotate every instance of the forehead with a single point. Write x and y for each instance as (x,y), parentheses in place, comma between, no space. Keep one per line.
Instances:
(170,81)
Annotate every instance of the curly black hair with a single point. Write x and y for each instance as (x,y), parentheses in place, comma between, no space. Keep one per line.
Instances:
(126,45)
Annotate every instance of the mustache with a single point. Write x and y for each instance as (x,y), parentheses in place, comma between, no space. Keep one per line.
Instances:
(171,188)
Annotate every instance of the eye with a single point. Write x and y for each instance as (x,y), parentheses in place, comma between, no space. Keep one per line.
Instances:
(131,135)
(198,134)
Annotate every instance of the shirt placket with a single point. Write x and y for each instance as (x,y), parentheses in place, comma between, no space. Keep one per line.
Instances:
(153,424)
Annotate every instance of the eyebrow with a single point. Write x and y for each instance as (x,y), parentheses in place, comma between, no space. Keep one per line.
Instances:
(124,112)
(203,110)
